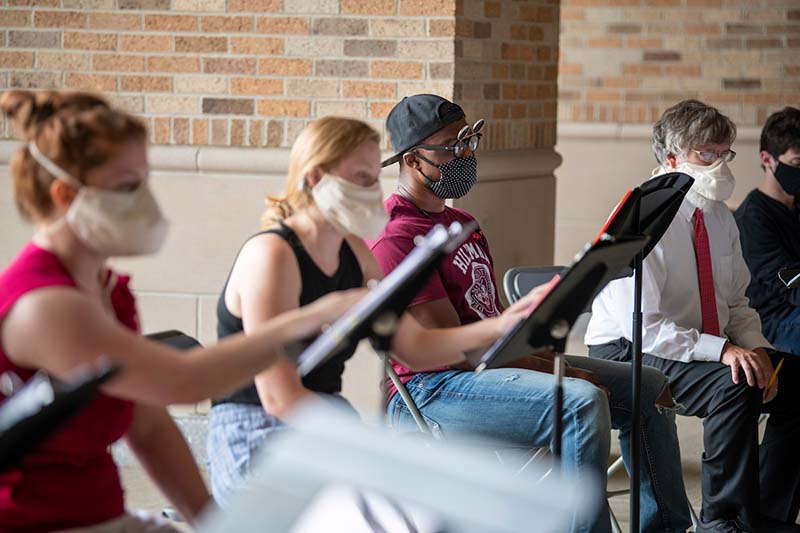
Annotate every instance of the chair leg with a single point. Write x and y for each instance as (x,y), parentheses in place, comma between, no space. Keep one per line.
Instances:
(693,514)
(616,465)
(403,392)
(614,523)
(537,455)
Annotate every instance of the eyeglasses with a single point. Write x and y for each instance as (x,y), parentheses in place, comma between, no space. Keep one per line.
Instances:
(468,137)
(711,157)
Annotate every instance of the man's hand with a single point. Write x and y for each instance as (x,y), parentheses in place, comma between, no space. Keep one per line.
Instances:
(521,308)
(756,364)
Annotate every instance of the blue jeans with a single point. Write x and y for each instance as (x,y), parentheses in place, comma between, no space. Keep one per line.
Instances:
(514,406)
(787,335)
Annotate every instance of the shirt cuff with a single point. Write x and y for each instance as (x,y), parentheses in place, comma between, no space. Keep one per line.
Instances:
(708,348)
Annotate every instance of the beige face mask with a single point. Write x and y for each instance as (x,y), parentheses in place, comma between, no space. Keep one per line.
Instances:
(350,208)
(111,223)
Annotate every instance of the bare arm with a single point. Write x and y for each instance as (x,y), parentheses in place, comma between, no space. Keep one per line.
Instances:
(420,348)
(436,314)
(430,335)
(267,283)
(448,335)
(162,451)
(58,329)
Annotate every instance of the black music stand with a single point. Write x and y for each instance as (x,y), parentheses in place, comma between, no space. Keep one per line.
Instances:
(33,413)
(646,210)
(547,326)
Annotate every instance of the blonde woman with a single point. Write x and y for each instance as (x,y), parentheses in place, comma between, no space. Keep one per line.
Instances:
(81,178)
(313,245)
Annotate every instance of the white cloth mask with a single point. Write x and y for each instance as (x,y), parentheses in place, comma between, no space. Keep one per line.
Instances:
(350,208)
(712,183)
(111,223)
(715,182)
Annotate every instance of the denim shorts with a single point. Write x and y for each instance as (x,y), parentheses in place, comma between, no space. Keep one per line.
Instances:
(236,433)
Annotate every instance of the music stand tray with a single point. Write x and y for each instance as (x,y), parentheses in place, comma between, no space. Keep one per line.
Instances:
(649,208)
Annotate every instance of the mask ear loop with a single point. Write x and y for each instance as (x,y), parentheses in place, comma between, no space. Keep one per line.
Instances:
(428,179)
(58,173)
(52,168)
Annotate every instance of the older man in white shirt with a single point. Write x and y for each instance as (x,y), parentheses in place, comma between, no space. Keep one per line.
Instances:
(699,330)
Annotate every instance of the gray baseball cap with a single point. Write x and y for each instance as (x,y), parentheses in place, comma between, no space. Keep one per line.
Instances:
(415,118)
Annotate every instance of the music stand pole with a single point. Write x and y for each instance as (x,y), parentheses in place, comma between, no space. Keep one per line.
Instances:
(558,409)
(636,387)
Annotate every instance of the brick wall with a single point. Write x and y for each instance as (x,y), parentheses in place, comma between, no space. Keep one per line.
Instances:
(625,61)
(253,72)
(506,65)
(235,72)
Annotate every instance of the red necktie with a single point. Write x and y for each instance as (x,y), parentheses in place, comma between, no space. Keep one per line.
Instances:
(705,278)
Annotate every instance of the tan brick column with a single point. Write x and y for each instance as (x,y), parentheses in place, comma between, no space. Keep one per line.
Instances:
(505,72)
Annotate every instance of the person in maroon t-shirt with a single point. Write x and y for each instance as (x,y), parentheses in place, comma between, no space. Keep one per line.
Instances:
(436,150)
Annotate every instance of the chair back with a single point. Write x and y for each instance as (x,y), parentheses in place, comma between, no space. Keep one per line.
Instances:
(175,339)
(519,281)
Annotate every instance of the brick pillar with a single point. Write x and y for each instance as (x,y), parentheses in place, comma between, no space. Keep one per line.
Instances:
(506,56)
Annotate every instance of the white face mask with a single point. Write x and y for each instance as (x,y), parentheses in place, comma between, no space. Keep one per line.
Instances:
(712,183)
(111,223)
(350,208)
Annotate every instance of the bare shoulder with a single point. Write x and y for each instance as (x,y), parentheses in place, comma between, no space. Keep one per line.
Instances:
(46,317)
(49,302)
(266,253)
(369,266)
(266,246)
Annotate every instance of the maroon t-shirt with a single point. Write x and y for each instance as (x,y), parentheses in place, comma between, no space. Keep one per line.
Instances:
(465,276)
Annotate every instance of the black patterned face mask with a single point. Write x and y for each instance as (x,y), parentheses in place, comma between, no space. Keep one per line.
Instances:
(457,177)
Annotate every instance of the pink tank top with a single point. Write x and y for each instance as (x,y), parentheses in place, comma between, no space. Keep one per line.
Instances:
(70,480)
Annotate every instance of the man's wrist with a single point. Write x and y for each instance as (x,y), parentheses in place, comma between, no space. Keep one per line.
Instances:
(709,348)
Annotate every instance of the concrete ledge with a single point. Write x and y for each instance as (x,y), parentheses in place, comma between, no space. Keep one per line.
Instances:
(261,162)
(587,130)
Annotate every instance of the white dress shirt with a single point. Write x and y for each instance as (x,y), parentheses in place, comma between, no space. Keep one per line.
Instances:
(671,314)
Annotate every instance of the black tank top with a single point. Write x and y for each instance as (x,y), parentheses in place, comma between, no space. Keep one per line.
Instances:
(315,284)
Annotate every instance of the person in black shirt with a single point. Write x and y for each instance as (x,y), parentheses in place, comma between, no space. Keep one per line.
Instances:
(769,225)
